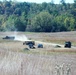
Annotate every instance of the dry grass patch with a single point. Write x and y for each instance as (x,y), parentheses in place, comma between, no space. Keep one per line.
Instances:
(14,60)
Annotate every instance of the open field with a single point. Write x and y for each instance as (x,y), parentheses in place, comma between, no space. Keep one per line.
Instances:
(16,60)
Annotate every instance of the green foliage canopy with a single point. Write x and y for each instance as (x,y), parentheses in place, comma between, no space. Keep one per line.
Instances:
(42,22)
(45,17)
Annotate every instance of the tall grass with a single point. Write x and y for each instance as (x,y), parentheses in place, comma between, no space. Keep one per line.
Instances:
(15,63)
(21,64)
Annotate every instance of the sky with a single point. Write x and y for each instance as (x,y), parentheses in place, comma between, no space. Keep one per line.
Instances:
(40,1)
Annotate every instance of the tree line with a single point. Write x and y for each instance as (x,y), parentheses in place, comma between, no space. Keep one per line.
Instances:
(34,17)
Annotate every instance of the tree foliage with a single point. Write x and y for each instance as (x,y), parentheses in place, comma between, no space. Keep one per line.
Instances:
(42,22)
(45,17)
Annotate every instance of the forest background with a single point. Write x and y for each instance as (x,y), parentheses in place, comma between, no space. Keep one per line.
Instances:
(35,17)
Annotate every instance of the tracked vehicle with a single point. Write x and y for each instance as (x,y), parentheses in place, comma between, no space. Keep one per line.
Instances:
(30,43)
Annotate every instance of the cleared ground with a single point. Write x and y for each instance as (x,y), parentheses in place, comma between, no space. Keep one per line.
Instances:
(16,60)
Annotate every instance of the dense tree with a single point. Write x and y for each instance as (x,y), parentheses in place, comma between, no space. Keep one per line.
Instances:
(19,25)
(63,2)
(69,22)
(74,0)
(52,2)
(45,17)
(42,22)
(59,21)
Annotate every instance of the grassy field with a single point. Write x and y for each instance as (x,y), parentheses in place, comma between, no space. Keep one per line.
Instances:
(16,60)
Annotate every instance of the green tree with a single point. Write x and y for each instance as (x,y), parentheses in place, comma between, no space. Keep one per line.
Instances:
(19,25)
(42,22)
(59,21)
(63,2)
(39,17)
(70,23)
(44,5)
(17,11)
(8,25)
